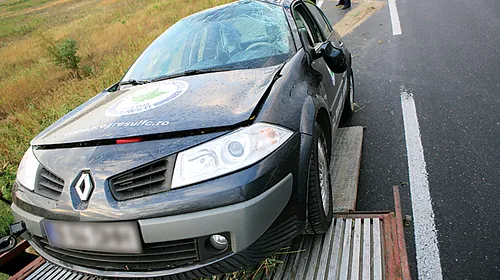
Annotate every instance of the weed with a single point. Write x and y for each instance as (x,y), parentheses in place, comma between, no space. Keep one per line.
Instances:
(64,54)
(86,71)
(264,270)
(266,267)
(358,107)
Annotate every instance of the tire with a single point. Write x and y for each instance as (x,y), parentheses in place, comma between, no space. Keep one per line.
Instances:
(320,211)
(349,100)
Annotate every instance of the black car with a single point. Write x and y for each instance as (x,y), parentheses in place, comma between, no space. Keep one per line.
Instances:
(210,154)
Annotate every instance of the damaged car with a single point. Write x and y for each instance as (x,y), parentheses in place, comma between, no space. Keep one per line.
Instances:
(211,153)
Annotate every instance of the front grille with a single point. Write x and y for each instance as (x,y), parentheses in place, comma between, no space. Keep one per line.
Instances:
(49,184)
(150,179)
(155,256)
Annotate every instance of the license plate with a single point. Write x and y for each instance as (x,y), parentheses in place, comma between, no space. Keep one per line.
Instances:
(120,237)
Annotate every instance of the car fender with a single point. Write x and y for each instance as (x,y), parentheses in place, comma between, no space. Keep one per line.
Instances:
(294,102)
(310,111)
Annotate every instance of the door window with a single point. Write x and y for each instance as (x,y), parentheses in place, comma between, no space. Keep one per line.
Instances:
(304,20)
(320,18)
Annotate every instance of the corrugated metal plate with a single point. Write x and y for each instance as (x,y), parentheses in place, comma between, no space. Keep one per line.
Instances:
(352,249)
(51,271)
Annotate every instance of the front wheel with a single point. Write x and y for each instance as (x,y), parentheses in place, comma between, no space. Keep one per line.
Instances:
(320,201)
(349,105)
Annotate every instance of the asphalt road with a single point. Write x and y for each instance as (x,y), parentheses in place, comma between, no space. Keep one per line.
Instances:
(448,57)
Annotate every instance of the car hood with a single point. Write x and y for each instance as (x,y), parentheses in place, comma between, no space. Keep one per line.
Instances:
(187,103)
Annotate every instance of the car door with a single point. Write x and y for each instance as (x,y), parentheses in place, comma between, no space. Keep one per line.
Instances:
(332,36)
(329,86)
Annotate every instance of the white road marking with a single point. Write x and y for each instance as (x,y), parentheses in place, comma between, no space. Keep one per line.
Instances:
(320,2)
(396,25)
(428,260)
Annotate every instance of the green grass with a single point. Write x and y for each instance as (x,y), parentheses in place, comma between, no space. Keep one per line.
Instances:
(34,92)
(17,5)
(19,26)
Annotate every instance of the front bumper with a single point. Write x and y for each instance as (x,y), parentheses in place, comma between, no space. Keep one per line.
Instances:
(246,222)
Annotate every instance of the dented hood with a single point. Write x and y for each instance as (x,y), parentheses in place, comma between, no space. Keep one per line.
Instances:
(181,104)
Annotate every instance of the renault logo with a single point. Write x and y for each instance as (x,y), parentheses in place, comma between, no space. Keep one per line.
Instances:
(84,186)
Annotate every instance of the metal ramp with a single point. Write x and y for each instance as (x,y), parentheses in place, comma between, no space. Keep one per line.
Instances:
(343,252)
(357,246)
(367,246)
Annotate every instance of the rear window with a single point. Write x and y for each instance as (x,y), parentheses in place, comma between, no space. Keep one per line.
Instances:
(246,34)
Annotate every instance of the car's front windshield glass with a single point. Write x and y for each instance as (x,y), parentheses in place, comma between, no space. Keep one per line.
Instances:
(246,34)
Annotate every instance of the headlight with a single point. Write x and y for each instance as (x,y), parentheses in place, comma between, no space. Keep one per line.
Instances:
(26,174)
(228,153)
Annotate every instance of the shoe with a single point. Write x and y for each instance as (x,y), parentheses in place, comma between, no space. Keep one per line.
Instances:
(338,4)
(346,7)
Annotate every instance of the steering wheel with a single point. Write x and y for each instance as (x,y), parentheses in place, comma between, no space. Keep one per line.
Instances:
(262,44)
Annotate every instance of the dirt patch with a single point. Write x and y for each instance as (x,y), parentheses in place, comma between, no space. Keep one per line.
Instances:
(357,16)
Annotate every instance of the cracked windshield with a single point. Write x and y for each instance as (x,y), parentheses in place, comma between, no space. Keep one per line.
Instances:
(247,35)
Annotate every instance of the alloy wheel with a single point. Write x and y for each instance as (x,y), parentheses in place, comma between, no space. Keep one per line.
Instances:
(324,178)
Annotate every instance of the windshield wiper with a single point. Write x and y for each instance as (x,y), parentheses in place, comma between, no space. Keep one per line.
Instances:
(193,72)
(133,82)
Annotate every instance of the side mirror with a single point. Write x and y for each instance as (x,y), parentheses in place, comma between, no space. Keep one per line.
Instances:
(334,58)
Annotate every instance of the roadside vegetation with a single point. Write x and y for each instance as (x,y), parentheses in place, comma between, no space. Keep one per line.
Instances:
(54,55)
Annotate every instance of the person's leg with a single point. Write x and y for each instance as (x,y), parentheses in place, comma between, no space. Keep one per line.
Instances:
(347,4)
(341,2)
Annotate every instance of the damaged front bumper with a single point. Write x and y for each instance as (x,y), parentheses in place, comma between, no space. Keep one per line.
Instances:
(244,222)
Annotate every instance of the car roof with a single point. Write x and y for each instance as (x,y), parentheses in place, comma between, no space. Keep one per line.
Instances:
(280,2)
